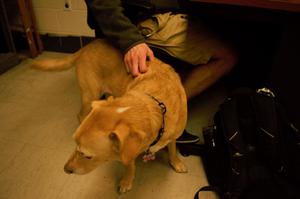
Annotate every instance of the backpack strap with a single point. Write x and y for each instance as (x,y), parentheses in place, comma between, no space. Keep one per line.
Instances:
(207,188)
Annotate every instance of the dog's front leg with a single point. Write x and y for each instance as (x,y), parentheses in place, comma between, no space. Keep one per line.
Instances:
(127,180)
(175,162)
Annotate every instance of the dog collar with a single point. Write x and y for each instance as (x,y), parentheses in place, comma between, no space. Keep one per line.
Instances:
(163,109)
(148,154)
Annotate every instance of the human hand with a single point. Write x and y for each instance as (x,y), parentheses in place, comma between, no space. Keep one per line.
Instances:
(135,59)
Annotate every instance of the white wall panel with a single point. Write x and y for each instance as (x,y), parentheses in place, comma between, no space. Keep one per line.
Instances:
(53,19)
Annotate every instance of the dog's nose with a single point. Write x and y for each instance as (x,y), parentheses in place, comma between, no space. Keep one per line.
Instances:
(68,170)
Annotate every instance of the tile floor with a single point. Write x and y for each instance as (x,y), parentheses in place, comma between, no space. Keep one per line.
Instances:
(38,114)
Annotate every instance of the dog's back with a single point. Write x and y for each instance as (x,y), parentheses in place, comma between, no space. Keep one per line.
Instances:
(160,81)
(100,69)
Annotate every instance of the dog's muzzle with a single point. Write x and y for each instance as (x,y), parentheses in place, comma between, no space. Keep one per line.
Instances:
(68,170)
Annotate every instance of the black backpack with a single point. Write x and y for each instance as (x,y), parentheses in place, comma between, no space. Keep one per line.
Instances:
(252,150)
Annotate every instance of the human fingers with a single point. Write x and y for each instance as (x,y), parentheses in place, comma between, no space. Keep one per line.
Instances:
(126,62)
(131,62)
(142,62)
(150,54)
(134,63)
(144,53)
(135,59)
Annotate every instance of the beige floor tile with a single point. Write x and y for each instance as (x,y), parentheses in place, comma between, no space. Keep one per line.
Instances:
(37,107)
(35,172)
(8,151)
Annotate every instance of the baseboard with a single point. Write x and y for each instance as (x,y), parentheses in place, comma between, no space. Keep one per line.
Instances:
(66,44)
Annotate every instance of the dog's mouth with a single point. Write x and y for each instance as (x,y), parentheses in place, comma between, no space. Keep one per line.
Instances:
(78,171)
(68,170)
(73,166)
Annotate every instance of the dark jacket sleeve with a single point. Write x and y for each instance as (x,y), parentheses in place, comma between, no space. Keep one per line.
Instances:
(109,18)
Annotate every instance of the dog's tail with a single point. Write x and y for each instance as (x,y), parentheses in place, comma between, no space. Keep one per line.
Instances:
(57,64)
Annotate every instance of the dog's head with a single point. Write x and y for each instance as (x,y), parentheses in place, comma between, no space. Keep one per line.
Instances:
(104,135)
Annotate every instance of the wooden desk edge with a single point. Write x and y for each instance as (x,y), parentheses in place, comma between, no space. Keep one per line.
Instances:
(292,6)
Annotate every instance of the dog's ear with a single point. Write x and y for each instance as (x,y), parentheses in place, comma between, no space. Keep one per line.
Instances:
(127,143)
(110,98)
(118,136)
(98,103)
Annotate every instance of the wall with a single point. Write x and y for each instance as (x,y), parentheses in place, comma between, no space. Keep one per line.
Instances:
(53,19)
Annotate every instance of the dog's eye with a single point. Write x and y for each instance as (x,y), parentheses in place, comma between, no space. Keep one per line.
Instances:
(83,155)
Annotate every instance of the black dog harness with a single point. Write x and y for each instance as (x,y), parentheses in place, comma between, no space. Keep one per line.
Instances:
(163,109)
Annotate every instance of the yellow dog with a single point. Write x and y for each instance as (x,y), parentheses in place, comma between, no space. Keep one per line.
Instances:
(146,113)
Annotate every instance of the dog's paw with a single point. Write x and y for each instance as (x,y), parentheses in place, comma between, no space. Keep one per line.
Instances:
(125,186)
(179,166)
(148,156)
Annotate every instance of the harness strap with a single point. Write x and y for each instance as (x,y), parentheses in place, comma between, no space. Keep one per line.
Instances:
(162,129)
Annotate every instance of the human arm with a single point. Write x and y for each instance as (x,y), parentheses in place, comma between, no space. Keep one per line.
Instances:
(109,17)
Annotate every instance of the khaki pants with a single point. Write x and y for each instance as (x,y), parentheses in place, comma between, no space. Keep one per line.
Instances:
(174,34)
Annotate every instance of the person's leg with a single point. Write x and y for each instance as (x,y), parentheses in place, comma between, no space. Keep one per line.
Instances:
(201,77)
